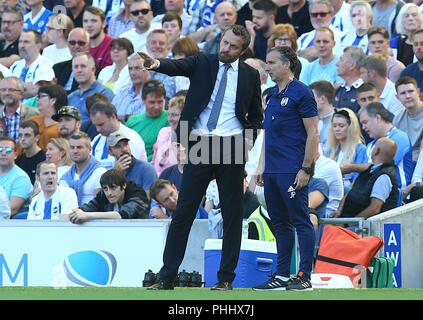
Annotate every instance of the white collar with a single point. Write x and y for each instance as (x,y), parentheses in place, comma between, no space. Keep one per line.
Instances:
(234,64)
(355,84)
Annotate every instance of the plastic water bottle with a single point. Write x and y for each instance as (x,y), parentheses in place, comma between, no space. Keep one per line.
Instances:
(244,229)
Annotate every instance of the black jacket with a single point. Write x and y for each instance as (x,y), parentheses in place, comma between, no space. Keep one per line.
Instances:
(202,71)
(358,198)
(136,204)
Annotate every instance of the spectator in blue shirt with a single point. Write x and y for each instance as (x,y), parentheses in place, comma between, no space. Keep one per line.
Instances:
(83,68)
(13,179)
(414,70)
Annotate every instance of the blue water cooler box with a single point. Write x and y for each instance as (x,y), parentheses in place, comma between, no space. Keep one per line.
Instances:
(257,261)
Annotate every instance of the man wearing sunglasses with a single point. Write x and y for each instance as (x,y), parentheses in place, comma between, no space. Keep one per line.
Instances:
(142,16)
(13,179)
(78,41)
(321,15)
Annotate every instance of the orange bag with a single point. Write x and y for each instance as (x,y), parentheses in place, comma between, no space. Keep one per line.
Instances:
(341,250)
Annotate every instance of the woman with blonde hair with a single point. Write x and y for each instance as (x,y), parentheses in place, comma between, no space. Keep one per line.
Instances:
(58,151)
(346,142)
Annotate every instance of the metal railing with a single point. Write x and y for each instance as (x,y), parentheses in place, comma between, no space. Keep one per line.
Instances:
(360,225)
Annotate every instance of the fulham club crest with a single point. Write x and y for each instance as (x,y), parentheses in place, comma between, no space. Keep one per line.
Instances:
(284,101)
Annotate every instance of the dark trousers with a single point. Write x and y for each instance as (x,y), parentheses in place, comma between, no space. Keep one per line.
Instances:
(195,180)
(288,210)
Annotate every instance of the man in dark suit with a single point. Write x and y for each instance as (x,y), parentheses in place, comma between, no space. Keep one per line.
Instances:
(222,108)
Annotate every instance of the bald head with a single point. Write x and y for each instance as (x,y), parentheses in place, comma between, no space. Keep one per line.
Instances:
(225,15)
(384,150)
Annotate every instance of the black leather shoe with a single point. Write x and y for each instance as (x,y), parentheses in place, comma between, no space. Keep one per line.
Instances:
(162,285)
(222,285)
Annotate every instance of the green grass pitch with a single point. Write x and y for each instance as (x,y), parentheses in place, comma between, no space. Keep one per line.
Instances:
(118,293)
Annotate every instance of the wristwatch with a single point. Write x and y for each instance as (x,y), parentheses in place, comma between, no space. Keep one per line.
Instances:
(306,170)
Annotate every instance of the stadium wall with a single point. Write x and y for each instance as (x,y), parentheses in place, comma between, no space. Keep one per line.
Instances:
(402,231)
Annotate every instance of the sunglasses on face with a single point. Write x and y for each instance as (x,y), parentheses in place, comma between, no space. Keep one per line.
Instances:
(321,14)
(79,43)
(137,12)
(8,150)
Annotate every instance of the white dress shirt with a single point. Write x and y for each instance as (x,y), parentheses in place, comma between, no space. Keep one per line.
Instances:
(228,123)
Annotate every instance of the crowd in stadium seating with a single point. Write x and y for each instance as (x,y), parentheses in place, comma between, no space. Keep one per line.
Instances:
(86,130)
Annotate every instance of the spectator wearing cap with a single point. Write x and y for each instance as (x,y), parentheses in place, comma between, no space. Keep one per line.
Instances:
(149,123)
(138,171)
(103,116)
(50,98)
(58,28)
(69,121)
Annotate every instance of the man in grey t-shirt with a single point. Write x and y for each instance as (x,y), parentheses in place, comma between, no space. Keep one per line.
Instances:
(384,14)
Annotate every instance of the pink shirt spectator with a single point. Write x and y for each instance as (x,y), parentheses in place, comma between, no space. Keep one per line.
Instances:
(163,156)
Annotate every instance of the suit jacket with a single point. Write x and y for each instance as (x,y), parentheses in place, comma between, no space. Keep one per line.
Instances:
(202,71)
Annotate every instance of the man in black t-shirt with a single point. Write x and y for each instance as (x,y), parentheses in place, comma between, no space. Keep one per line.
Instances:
(261,26)
(29,134)
(296,13)
(11,29)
